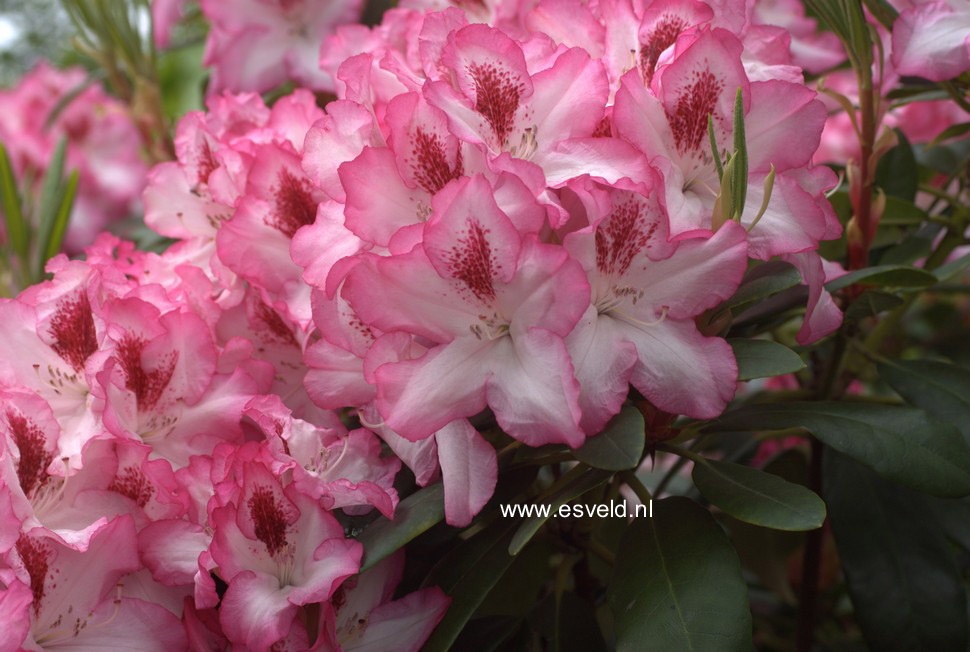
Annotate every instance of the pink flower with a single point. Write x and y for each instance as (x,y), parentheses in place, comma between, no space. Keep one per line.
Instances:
(61,597)
(496,302)
(932,39)
(255,45)
(363,614)
(646,290)
(277,549)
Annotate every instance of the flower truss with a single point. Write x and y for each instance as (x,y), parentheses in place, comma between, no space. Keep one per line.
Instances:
(521,215)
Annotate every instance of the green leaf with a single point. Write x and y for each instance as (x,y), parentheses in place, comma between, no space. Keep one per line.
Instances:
(900,443)
(620,445)
(896,171)
(467,573)
(897,276)
(953,131)
(764,358)
(757,497)
(10,200)
(884,12)
(677,584)
(762,281)
(871,303)
(414,515)
(952,268)
(905,585)
(61,218)
(571,491)
(940,388)
(901,212)
(740,182)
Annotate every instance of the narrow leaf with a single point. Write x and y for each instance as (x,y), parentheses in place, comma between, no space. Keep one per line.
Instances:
(59,228)
(758,497)
(741,152)
(715,152)
(898,276)
(414,515)
(10,199)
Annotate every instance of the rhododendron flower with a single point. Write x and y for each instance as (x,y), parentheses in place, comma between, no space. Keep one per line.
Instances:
(364,616)
(932,39)
(278,549)
(255,45)
(497,303)
(646,290)
(491,96)
(58,597)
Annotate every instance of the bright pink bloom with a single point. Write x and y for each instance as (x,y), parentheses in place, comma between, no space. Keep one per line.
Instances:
(364,617)
(932,39)
(497,303)
(72,598)
(646,290)
(277,549)
(256,45)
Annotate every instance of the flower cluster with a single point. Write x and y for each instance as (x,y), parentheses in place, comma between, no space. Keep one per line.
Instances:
(102,144)
(503,218)
(511,212)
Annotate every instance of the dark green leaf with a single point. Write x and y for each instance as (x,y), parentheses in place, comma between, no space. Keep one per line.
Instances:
(757,497)
(871,303)
(896,171)
(619,446)
(940,388)
(905,585)
(677,584)
(61,218)
(901,212)
(414,515)
(952,268)
(763,281)
(467,573)
(884,12)
(897,276)
(10,200)
(953,131)
(901,443)
(764,358)
(50,198)
(571,491)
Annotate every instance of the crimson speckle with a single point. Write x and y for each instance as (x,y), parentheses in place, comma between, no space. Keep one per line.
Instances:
(269,521)
(621,236)
(34,458)
(147,386)
(294,206)
(206,163)
(497,96)
(688,121)
(275,324)
(430,164)
(72,328)
(131,482)
(35,556)
(664,33)
(471,261)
